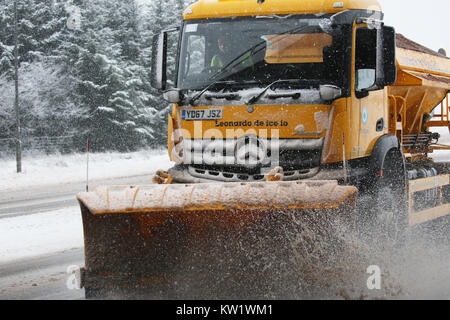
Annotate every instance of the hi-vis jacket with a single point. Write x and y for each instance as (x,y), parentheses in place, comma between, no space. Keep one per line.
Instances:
(217,62)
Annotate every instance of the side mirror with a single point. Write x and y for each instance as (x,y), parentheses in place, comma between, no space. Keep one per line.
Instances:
(386,57)
(389,56)
(159,61)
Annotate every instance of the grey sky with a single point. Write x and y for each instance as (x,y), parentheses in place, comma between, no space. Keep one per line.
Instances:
(425,22)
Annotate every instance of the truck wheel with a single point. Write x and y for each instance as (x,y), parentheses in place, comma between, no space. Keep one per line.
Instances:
(391,205)
(382,206)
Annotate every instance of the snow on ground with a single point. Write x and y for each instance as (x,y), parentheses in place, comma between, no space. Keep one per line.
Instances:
(38,234)
(40,170)
(58,230)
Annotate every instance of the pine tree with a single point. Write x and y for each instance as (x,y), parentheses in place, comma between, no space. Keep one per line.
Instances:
(45,107)
(112,80)
(39,25)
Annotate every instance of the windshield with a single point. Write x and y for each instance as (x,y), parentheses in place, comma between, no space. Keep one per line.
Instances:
(262,50)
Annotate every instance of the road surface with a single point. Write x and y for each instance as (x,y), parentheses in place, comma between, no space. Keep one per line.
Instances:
(42,278)
(423,270)
(45,277)
(39,199)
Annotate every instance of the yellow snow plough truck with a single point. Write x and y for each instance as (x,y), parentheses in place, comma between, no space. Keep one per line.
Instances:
(283,112)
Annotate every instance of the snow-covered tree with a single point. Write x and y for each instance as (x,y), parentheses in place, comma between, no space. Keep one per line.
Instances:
(105,57)
(39,23)
(93,81)
(45,107)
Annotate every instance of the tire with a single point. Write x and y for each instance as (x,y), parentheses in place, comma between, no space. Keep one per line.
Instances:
(386,205)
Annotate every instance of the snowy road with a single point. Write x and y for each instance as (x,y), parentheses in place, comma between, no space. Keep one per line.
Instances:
(38,199)
(42,278)
(42,220)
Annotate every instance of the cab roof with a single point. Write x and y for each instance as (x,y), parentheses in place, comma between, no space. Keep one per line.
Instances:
(205,9)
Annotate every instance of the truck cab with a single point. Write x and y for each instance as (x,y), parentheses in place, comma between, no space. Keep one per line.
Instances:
(300,86)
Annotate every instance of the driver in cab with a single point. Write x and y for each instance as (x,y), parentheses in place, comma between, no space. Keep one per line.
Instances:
(227,58)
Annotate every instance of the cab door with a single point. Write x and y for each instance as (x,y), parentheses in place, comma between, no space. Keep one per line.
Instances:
(368,113)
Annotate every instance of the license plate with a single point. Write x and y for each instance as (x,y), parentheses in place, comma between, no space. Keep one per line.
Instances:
(201,114)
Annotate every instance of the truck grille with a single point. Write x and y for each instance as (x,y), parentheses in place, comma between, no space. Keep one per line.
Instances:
(250,152)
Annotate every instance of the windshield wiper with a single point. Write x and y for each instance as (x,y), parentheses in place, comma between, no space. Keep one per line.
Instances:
(222,95)
(198,95)
(259,95)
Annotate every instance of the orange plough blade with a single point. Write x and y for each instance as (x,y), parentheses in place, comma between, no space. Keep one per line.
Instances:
(139,236)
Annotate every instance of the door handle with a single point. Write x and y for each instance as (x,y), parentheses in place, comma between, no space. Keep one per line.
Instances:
(380,125)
